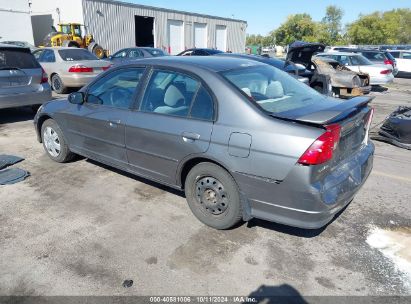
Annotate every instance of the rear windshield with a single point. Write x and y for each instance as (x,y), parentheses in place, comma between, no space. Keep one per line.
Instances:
(76,55)
(275,91)
(17,58)
(156,52)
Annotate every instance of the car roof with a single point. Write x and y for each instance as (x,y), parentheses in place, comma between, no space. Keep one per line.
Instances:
(57,48)
(6,45)
(211,63)
(339,53)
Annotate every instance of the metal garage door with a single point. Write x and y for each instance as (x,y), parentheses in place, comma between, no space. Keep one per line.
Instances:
(200,35)
(175,36)
(221,38)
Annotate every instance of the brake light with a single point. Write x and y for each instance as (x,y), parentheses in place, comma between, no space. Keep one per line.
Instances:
(44,76)
(80,69)
(107,67)
(323,148)
(384,72)
(389,61)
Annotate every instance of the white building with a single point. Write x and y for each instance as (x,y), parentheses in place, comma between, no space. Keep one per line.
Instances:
(117,25)
(15,21)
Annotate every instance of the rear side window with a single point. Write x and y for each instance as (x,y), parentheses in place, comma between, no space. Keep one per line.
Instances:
(76,55)
(374,56)
(203,106)
(156,52)
(135,54)
(406,55)
(16,58)
(47,56)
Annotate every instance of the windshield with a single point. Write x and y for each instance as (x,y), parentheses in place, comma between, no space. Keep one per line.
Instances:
(76,55)
(275,91)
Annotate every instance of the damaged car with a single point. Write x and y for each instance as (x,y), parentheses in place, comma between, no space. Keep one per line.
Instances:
(344,82)
(396,128)
(327,76)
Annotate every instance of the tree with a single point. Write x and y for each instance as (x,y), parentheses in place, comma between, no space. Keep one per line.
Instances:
(332,23)
(391,27)
(296,27)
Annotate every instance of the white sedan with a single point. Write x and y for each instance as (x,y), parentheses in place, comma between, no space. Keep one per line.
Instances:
(403,59)
(379,73)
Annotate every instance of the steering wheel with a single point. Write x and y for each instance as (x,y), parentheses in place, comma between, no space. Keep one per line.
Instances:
(119,97)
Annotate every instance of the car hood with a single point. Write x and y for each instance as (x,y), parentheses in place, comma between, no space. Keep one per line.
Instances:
(301,52)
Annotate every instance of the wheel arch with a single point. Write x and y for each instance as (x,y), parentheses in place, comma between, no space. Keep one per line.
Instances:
(39,124)
(191,163)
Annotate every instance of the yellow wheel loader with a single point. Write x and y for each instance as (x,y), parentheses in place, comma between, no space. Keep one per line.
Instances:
(70,35)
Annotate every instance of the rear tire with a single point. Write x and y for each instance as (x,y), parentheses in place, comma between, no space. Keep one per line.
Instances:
(213,196)
(58,85)
(54,143)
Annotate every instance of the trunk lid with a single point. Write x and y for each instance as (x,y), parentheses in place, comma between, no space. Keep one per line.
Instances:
(301,52)
(337,111)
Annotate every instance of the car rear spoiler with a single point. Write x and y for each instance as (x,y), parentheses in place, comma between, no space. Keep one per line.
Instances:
(333,114)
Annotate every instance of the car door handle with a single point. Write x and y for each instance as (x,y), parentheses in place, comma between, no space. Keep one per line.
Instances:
(189,137)
(114,123)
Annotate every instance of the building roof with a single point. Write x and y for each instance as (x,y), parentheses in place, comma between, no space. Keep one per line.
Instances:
(165,10)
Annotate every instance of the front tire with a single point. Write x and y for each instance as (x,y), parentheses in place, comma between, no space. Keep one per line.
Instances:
(213,196)
(58,85)
(54,143)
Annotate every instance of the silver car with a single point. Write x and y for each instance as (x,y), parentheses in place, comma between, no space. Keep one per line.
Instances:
(69,67)
(22,80)
(380,74)
(241,138)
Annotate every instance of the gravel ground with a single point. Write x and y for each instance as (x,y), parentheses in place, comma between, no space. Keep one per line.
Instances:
(82,229)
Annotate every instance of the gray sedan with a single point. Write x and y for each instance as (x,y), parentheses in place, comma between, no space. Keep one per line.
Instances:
(241,138)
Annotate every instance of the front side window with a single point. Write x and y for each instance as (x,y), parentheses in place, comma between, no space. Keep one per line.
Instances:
(120,54)
(115,89)
(173,93)
(275,91)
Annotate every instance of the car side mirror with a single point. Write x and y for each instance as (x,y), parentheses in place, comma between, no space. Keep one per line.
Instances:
(76,98)
(110,57)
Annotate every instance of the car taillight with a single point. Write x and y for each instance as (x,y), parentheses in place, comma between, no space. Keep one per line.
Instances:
(80,69)
(385,72)
(107,67)
(44,77)
(388,61)
(323,148)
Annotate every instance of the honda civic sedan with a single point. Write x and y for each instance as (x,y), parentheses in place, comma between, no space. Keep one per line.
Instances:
(241,138)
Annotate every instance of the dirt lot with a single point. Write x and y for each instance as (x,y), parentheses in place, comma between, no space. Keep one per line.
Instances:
(82,229)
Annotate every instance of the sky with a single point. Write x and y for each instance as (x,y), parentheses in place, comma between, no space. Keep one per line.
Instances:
(264,15)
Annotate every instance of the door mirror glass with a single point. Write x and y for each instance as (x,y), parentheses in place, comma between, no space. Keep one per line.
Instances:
(76,98)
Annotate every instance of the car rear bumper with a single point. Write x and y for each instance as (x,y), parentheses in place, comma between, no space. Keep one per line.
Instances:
(383,79)
(77,80)
(299,202)
(40,96)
